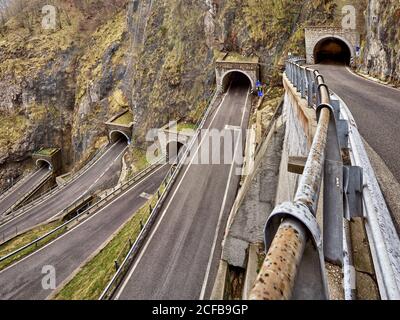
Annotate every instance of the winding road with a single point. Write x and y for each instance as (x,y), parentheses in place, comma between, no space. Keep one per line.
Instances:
(103,170)
(179,260)
(23,280)
(22,190)
(376,110)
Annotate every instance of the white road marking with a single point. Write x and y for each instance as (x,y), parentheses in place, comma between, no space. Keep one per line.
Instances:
(206,276)
(168,205)
(86,221)
(233,128)
(145,195)
(372,81)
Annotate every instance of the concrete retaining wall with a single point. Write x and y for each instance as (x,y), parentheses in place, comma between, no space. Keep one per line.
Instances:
(300,128)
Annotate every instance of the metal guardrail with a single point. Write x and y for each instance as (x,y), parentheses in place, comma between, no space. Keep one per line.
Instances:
(111,194)
(45,195)
(26,197)
(381,232)
(289,268)
(21,179)
(168,182)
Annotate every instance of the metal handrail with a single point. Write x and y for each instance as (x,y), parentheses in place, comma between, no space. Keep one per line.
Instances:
(287,248)
(168,182)
(109,196)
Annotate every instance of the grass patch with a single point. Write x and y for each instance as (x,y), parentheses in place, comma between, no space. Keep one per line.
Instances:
(46,151)
(140,159)
(92,279)
(236,57)
(186,126)
(125,119)
(24,239)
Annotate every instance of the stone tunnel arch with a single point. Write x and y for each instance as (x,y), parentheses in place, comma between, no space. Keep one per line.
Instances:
(117,135)
(172,150)
(238,75)
(40,163)
(333,49)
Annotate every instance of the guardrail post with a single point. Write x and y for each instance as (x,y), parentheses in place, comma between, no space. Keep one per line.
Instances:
(333,193)
(116,265)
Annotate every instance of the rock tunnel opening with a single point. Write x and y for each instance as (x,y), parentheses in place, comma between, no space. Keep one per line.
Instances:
(236,79)
(174,149)
(41,163)
(116,136)
(332,51)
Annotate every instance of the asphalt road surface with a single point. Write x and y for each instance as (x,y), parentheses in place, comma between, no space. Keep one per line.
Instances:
(19,192)
(180,258)
(104,168)
(23,280)
(376,109)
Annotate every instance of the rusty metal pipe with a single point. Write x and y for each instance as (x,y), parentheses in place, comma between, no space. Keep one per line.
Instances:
(310,181)
(277,277)
(278,274)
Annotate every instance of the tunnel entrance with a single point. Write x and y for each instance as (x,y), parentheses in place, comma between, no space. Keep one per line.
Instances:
(118,135)
(174,148)
(41,163)
(236,79)
(333,51)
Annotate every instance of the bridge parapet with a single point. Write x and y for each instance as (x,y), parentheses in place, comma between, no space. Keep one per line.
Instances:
(294,267)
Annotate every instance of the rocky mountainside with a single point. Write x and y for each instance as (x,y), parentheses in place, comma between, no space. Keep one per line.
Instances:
(58,86)
(381,56)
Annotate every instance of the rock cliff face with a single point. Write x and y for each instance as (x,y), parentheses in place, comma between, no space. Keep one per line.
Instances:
(50,88)
(57,87)
(381,56)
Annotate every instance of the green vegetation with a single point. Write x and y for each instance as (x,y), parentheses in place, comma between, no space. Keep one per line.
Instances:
(26,238)
(125,119)
(12,128)
(186,126)
(92,279)
(90,64)
(139,159)
(46,151)
(236,57)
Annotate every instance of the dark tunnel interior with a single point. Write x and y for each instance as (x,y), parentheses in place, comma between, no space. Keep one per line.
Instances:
(235,79)
(332,51)
(118,136)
